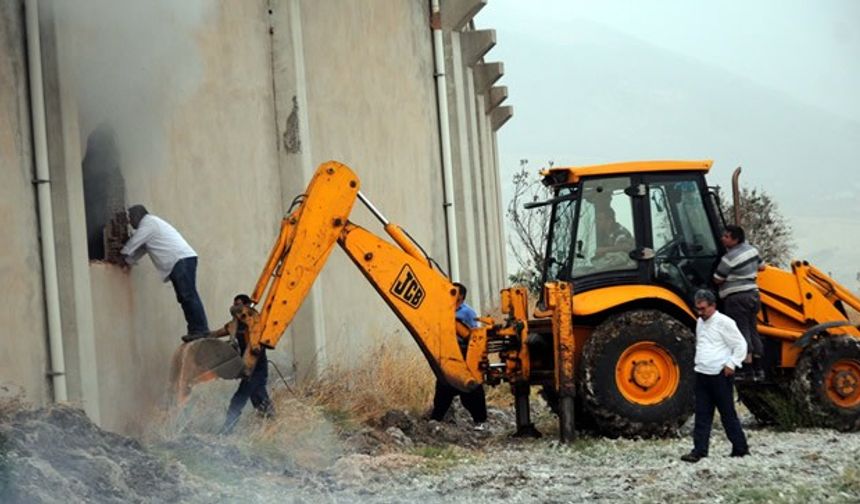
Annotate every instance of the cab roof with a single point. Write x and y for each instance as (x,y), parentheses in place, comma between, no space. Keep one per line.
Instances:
(572,174)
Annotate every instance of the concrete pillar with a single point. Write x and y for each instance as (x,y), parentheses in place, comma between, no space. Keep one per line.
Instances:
(24,358)
(486,74)
(306,335)
(476,174)
(475,44)
(70,232)
(456,13)
(496,96)
(488,198)
(458,114)
(500,216)
(500,115)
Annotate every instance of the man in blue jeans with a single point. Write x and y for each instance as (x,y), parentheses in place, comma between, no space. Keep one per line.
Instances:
(252,387)
(475,401)
(174,259)
(720,350)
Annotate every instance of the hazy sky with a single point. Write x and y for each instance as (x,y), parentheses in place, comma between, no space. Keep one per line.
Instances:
(770,85)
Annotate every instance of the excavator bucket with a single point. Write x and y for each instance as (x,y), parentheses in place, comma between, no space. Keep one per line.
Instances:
(200,361)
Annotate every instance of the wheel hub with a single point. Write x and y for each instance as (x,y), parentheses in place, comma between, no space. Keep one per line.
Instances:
(843,383)
(646,373)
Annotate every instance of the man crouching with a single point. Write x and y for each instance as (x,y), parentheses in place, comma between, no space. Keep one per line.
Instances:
(252,387)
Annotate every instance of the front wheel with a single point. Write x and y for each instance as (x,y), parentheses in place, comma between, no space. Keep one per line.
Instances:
(637,374)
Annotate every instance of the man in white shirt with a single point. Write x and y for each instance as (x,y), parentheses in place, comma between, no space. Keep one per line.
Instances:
(720,349)
(173,258)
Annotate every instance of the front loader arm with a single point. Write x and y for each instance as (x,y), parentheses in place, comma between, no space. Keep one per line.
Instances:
(422,297)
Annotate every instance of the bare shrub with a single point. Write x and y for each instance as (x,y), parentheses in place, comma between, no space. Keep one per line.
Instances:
(527,241)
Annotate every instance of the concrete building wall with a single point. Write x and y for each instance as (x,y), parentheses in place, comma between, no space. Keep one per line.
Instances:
(22,312)
(372,106)
(224,116)
(207,168)
(216,187)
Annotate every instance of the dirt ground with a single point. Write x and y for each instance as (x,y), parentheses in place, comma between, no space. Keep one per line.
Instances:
(57,455)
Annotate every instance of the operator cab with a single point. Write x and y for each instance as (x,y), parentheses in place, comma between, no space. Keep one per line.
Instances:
(654,223)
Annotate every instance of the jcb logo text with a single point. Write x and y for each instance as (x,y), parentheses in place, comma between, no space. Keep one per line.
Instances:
(407,288)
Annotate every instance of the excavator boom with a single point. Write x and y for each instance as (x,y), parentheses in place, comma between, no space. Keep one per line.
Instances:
(421,296)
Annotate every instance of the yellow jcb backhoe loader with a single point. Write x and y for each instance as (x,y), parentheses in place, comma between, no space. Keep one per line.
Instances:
(611,342)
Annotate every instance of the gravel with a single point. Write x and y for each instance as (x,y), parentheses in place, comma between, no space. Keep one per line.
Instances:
(57,455)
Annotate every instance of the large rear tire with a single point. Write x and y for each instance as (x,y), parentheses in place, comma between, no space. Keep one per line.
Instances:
(636,374)
(827,382)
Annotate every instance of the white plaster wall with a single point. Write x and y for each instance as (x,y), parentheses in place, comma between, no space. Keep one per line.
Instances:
(372,106)
(214,176)
(23,358)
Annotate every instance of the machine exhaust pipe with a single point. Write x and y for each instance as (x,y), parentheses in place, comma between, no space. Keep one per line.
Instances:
(736,195)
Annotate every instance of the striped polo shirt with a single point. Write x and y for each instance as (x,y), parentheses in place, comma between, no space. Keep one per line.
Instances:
(738,270)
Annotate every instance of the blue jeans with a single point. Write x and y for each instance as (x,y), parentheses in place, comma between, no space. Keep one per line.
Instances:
(184,280)
(253,388)
(716,391)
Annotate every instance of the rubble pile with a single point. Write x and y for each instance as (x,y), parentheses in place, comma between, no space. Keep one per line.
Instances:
(56,454)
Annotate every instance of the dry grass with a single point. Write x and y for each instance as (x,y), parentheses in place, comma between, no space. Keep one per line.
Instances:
(396,377)
(311,417)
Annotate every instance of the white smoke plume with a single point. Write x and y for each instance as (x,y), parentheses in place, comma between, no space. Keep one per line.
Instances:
(133,63)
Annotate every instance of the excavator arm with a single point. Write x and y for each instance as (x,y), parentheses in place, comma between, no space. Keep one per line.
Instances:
(421,296)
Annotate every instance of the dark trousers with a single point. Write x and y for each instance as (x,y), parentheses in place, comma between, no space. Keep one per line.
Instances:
(716,391)
(184,280)
(743,308)
(475,402)
(253,388)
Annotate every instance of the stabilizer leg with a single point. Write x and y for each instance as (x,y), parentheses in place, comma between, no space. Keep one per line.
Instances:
(525,427)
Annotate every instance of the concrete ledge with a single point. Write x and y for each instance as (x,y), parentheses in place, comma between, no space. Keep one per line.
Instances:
(475,44)
(500,115)
(486,74)
(456,13)
(496,96)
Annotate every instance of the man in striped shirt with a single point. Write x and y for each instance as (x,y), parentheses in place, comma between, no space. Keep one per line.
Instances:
(736,278)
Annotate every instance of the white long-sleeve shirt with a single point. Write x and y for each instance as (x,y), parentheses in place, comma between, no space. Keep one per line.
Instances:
(162,241)
(719,344)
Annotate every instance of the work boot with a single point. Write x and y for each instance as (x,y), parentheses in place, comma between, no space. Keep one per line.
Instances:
(188,338)
(739,453)
(693,457)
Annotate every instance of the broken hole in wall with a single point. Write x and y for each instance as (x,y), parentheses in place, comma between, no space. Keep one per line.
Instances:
(104,196)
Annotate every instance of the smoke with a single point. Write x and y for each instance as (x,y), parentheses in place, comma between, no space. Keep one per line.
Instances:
(133,64)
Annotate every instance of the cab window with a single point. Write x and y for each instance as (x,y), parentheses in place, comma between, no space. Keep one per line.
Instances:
(605,232)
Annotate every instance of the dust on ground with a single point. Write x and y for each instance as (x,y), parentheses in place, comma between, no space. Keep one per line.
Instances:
(57,455)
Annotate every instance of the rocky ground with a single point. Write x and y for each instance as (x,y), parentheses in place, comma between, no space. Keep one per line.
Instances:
(57,455)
